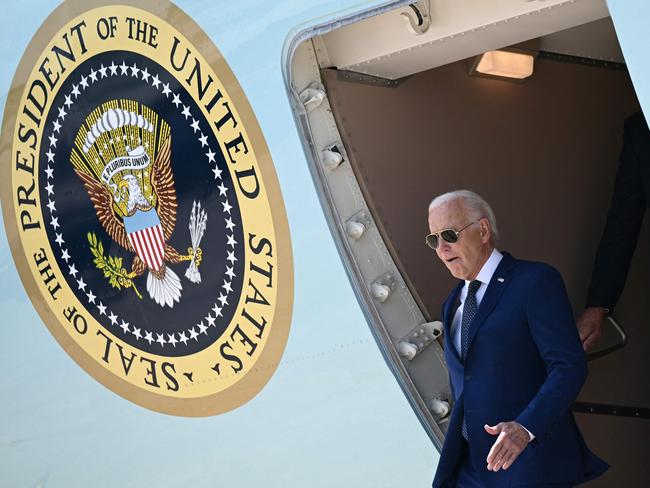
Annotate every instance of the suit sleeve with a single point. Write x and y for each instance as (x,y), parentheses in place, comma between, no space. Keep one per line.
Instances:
(623,224)
(447,340)
(554,332)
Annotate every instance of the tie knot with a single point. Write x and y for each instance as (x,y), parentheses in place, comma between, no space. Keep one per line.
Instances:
(473,287)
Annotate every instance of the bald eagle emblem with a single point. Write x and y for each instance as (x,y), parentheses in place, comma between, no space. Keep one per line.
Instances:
(122,154)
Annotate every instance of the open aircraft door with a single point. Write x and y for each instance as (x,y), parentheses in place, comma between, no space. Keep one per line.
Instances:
(391,115)
(630,20)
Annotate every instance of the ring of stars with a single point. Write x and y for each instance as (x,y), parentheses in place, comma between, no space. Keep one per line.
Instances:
(118,324)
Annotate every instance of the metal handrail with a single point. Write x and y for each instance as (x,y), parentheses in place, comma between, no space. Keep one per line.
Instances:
(607,409)
(615,347)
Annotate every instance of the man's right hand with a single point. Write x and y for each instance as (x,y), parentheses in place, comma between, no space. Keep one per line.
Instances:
(590,326)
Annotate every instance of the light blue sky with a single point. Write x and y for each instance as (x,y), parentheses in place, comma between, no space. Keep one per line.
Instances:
(332,415)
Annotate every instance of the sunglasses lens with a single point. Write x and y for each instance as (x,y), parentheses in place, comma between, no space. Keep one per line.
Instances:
(432,241)
(449,236)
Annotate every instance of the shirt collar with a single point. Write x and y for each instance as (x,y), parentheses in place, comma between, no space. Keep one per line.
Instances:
(488,269)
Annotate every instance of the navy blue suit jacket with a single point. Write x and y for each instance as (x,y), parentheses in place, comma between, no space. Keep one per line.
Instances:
(524,362)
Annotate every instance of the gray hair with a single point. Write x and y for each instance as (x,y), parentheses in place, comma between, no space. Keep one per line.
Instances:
(476,207)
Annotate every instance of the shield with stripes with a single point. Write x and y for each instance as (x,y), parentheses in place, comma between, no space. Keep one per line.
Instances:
(146,236)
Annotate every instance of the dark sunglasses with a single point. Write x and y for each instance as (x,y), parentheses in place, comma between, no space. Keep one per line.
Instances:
(448,235)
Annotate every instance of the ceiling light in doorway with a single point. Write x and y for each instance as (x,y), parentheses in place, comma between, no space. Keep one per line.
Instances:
(504,64)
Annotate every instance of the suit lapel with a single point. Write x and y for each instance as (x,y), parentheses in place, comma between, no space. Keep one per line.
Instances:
(449,308)
(495,289)
(448,312)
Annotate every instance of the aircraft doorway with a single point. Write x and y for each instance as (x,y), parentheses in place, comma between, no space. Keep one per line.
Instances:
(543,152)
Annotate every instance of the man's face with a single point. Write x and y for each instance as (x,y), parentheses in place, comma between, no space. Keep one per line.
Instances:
(465,257)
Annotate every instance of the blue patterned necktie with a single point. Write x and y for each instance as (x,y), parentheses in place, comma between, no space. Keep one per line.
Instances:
(469,312)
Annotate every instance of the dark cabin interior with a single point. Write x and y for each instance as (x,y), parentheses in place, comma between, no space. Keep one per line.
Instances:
(544,153)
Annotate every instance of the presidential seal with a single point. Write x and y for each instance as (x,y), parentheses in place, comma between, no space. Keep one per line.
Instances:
(143,209)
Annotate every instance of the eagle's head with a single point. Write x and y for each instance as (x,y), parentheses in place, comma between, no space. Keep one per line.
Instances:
(136,201)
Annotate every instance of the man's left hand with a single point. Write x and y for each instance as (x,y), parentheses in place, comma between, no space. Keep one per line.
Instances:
(513,439)
(590,326)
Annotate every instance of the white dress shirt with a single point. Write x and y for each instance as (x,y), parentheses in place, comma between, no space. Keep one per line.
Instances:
(484,276)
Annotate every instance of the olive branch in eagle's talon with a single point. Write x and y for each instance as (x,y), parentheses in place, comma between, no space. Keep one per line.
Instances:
(112,268)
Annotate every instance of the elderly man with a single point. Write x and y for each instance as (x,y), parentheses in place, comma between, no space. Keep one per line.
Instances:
(514,357)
